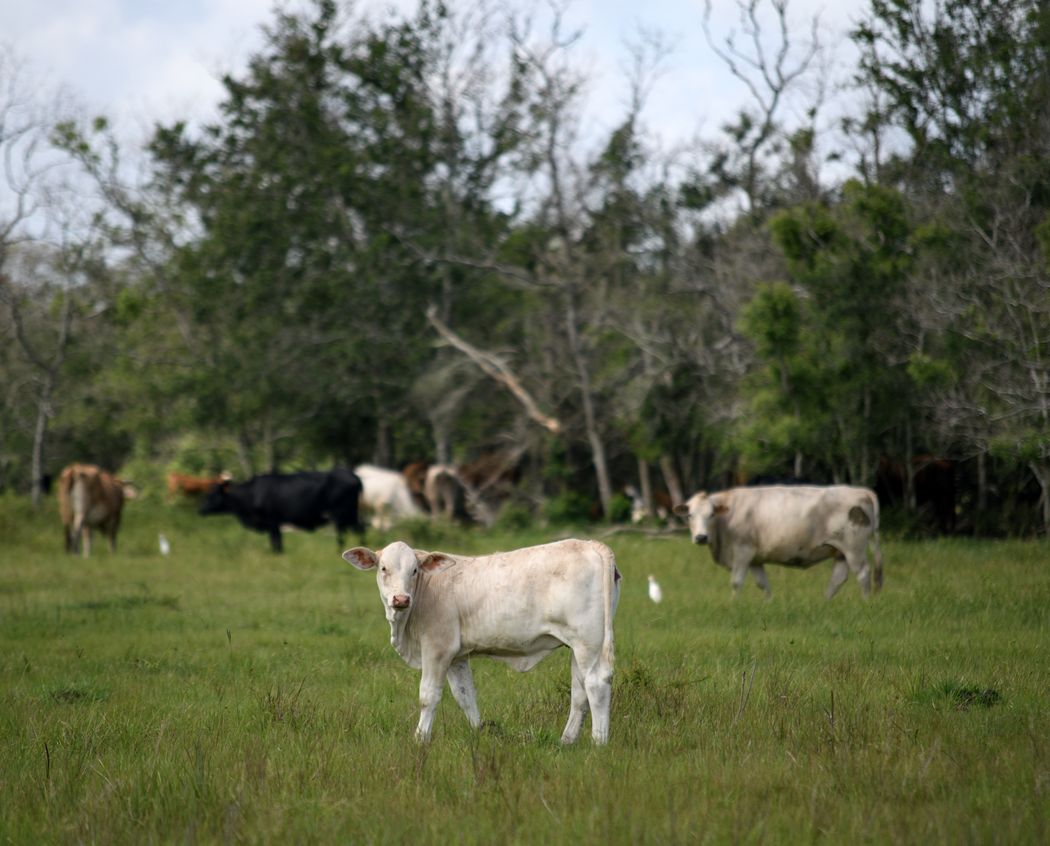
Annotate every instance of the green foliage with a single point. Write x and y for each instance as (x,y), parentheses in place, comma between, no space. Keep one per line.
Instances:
(260,302)
(620,512)
(568,508)
(514,517)
(926,371)
(773,321)
(825,356)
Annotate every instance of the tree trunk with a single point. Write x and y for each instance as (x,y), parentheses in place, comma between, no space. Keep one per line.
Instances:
(1042,475)
(594,438)
(269,446)
(43,412)
(645,482)
(674,484)
(382,450)
(244,454)
(982,483)
(909,472)
(442,448)
(50,370)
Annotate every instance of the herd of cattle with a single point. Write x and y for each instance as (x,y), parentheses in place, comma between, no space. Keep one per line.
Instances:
(516,607)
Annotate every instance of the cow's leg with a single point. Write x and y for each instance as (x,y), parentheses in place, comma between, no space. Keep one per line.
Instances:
(738,567)
(597,684)
(112,532)
(435,670)
(839,574)
(858,563)
(577,706)
(461,683)
(759,572)
(276,542)
(85,542)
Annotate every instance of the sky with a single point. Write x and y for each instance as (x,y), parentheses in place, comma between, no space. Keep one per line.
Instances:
(145,61)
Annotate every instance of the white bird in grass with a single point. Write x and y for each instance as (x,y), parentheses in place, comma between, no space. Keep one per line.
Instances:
(655,594)
(162,542)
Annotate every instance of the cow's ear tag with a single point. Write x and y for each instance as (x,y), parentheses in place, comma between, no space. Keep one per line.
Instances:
(435,562)
(360,557)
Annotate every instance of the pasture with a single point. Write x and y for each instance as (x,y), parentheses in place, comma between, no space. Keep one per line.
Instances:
(225,694)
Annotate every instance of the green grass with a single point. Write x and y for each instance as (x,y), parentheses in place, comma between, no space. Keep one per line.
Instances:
(224,694)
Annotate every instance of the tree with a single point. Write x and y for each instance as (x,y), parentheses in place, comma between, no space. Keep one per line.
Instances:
(968,82)
(47,242)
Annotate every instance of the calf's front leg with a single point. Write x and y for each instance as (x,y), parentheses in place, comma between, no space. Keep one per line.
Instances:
(739,564)
(435,670)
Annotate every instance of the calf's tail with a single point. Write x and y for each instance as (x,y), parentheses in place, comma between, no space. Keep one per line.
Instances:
(610,579)
(875,546)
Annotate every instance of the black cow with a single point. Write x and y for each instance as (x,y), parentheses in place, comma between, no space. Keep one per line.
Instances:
(305,500)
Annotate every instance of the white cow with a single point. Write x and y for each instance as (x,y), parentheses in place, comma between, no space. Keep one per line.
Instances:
(386,495)
(795,525)
(516,607)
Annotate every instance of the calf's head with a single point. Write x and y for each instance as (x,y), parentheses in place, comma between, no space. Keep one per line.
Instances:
(398,568)
(700,511)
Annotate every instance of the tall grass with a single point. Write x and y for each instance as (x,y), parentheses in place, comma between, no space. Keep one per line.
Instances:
(223,693)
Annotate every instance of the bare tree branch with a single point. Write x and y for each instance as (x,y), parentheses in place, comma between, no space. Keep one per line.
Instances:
(496,369)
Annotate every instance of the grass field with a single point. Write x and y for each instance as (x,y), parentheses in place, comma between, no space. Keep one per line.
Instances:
(225,694)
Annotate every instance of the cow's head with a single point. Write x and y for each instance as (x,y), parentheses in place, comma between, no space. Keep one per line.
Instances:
(397,567)
(700,511)
(216,500)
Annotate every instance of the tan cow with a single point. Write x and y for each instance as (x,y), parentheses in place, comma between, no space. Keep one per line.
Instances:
(193,486)
(794,525)
(89,498)
(444,491)
(516,607)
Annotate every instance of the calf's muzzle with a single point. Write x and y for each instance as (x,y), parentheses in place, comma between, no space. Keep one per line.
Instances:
(400,601)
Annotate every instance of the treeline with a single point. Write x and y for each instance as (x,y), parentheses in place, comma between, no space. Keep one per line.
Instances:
(396,243)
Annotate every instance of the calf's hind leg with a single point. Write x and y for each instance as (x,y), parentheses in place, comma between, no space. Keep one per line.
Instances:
(759,572)
(858,563)
(461,683)
(597,684)
(578,706)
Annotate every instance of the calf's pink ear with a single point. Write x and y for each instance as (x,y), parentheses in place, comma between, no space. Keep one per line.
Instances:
(721,509)
(435,562)
(361,558)
(682,510)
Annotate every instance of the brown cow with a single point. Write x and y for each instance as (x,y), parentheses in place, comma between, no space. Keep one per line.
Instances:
(89,498)
(193,486)
(415,474)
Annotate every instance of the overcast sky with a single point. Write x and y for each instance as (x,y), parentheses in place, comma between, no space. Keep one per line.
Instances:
(142,61)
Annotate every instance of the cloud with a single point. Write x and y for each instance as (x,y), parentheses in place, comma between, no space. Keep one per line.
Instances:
(141,61)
